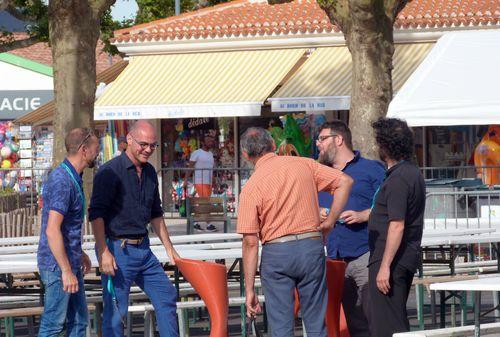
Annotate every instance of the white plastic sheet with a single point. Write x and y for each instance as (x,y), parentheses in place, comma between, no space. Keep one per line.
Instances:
(458,83)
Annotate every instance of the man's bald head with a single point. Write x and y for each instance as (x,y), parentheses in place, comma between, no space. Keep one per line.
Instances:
(143,127)
(141,141)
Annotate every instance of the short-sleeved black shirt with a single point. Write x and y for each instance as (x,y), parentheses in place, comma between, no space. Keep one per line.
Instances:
(401,197)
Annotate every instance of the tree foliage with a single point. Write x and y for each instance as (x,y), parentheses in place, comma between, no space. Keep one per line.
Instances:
(150,10)
(34,12)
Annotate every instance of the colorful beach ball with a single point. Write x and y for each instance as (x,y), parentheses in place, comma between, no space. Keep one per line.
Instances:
(6,163)
(5,152)
(14,147)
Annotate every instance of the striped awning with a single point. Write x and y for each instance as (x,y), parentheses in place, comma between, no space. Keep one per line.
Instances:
(324,80)
(219,84)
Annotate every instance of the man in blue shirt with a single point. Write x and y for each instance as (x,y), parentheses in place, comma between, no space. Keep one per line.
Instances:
(60,256)
(125,200)
(348,241)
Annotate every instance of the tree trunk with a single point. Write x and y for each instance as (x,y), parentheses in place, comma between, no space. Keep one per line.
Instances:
(74,28)
(370,42)
(74,31)
(368,28)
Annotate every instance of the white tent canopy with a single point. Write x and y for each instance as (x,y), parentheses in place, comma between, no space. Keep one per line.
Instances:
(456,84)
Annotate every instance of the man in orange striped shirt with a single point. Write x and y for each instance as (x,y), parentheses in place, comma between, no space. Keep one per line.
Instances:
(279,206)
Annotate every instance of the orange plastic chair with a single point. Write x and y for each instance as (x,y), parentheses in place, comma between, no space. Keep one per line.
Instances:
(210,282)
(336,324)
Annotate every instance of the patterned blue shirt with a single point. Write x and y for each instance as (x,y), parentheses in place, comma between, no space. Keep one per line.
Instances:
(351,241)
(60,194)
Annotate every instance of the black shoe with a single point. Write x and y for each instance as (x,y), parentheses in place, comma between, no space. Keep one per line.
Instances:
(197,227)
(211,228)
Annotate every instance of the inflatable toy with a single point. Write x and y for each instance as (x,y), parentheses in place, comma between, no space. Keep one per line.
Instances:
(487,156)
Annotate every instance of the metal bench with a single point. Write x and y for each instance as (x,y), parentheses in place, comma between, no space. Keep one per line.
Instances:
(460,331)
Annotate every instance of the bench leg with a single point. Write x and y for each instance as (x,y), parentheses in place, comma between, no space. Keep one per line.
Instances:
(31,328)
(180,322)
(227,225)
(129,324)
(433,309)
(463,308)
(442,309)
(147,324)
(189,229)
(10,330)
(420,305)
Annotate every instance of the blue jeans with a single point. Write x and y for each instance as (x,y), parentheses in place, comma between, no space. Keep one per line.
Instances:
(63,308)
(136,263)
(289,265)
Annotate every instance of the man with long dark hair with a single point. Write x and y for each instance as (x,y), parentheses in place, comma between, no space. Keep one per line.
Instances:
(395,228)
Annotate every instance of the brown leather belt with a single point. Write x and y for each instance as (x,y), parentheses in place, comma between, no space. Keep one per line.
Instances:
(125,241)
(295,237)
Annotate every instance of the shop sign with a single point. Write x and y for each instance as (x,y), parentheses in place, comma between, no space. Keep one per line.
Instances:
(310,104)
(16,103)
(196,122)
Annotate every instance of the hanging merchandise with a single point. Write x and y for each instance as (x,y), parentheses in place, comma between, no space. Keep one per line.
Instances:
(294,142)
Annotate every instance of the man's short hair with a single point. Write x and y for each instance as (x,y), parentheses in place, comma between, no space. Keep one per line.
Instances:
(76,138)
(394,138)
(256,142)
(340,128)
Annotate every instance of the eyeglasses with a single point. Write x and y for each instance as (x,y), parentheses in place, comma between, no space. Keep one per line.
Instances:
(145,145)
(89,134)
(321,139)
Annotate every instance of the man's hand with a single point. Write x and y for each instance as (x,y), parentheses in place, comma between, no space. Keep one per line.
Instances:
(173,255)
(383,283)
(326,226)
(252,303)
(86,263)
(107,263)
(352,217)
(70,282)
(323,214)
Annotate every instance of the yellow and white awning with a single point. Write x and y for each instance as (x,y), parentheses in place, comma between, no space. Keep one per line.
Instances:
(323,82)
(221,84)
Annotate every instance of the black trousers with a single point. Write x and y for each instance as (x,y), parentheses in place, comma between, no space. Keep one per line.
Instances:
(389,311)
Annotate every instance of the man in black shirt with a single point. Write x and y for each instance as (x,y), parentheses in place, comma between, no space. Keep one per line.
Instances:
(395,228)
(125,199)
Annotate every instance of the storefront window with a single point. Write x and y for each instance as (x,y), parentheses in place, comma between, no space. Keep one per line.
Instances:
(180,139)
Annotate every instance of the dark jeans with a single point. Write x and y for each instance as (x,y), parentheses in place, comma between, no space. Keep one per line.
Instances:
(138,264)
(62,308)
(389,311)
(289,265)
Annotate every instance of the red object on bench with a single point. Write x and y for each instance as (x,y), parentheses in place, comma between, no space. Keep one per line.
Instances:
(336,324)
(210,282)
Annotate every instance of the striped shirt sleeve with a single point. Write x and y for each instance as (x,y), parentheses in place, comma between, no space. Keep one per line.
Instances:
(248,214)
(327,178)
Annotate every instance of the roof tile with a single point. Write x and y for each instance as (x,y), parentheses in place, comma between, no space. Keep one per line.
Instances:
(41,53)
(305,16)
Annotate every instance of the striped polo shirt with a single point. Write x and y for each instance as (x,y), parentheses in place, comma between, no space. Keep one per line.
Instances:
(281,196)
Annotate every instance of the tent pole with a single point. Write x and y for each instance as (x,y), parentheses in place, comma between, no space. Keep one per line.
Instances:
(424,151)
